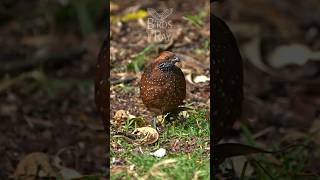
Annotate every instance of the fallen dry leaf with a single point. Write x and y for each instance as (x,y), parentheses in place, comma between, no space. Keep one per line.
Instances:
(114,7)
(33,166)
(7,83)
(69,174)
(239,165)
(292,54)
(148,135)
(120,116)
(64,172)
(252,51)
(118,169)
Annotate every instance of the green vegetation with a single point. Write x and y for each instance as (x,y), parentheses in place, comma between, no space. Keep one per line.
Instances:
(287,164)
(186,142)
(139,59)
(196,19)
(84,11)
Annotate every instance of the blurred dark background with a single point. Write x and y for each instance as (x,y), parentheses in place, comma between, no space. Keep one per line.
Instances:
(280,45)
(48,52)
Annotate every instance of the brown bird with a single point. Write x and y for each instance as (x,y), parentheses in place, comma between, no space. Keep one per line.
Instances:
(163,85)
(227,79)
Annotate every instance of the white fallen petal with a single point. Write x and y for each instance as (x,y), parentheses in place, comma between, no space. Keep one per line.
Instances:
(159,153)
(291,54)
(131,116)
(201,79)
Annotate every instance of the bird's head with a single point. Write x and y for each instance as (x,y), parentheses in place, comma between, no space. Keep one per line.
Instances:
(167,60)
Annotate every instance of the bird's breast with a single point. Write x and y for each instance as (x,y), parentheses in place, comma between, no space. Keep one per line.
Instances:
(163,90)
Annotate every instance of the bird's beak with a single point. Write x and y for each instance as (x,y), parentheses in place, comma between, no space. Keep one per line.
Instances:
(175,59)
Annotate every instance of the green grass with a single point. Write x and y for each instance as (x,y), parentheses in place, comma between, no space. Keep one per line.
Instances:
(197,19)
(139,59)
(291,163)
(190,154)
(125,88)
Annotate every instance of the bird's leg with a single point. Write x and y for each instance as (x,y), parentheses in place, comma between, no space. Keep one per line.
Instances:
(161,119)
(170,117)
(154,122)
(167,117)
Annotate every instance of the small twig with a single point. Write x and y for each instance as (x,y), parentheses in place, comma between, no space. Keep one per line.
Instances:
(125,137)
(263,132)
(264,170)
(7,83)
(124,80)
(244,170)
(22,64)
(192,60)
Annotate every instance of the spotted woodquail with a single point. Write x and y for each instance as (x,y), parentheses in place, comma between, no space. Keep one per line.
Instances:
(227,78)
(102,85)
(163,85)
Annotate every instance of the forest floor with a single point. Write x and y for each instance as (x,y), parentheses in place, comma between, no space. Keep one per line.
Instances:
(47,95)
(186,142)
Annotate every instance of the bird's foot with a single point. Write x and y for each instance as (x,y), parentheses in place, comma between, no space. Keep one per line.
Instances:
(161,119)
(182,117)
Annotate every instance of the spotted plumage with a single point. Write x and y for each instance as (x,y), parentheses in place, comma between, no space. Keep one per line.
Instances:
(163,85)
(227,79)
